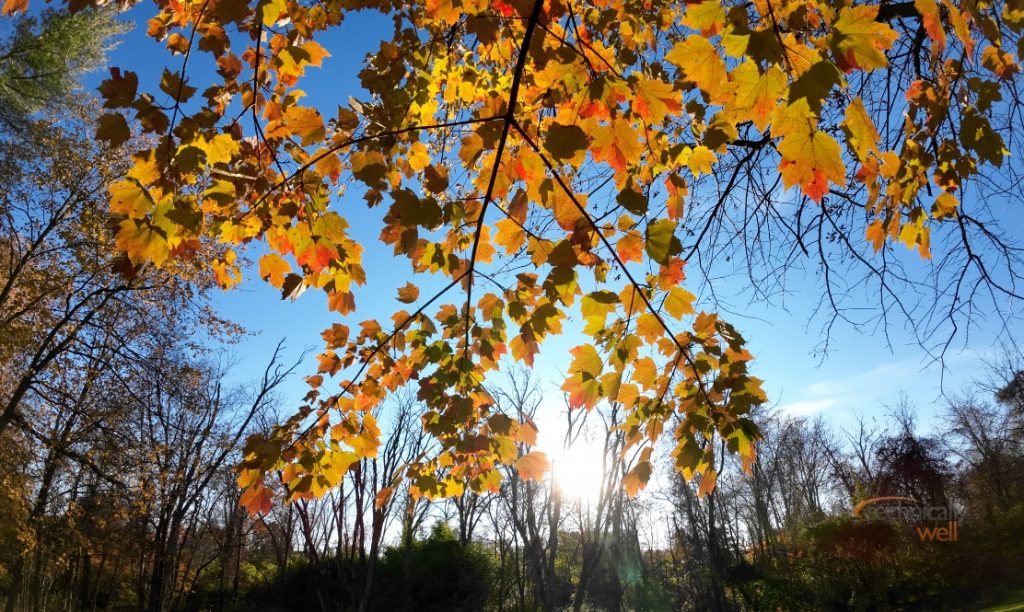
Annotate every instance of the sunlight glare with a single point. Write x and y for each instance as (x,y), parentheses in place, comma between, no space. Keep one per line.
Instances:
(579,472)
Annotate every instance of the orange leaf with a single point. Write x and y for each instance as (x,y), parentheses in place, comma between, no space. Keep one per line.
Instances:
(533,465)
(256,499)
(618,144)
(408,294)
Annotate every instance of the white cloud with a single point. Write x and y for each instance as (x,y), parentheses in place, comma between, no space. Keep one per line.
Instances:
(886,374)
(808,407)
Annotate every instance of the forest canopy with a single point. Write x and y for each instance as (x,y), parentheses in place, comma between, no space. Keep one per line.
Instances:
(542,161)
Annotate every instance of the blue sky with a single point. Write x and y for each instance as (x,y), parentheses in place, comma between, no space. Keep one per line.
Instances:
(859,374)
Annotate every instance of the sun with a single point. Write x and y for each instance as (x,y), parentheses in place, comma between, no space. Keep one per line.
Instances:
(578,472)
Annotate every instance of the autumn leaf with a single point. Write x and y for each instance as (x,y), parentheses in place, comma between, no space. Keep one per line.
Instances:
(558,137)
(527,433)
(655,99)
(932,22)
(662,243)
(756,93)
(707,482)
(408,293)
(256,499)
(858,40)
(533,466)
(699,62)
(306,123)
(566,142)
(113,128)
(636,479)
(583,384)
(812,160)
(617,144)
(131,199)
(862,134)
(273,269)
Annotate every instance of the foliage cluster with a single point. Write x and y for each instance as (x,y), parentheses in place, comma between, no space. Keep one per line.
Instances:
(550,159)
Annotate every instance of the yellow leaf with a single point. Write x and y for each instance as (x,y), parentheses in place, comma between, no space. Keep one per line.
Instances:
(273,269)
(220,149)
(583,386)
(811,159)
(618,144)
(509,235)
(306,123)
(758,94)
(858,41)
(701,160)
(142,243)
(862,134)
(649,328)
(131,199)
(645,372)
(271,10)
(419,157)
(679,302)
(708,17)
(944,206)
(636,479)
(700,62)
(655,99)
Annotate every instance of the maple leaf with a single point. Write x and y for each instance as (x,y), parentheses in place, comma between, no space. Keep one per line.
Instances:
(14,6)
(701,160)
(932,22)
(618,144)
(655,99)
(455,124)
(876,234)
(636,479)
(858,40)
(700,63)
(131,199)
(273,269)
(256,499)
(708,17)
(863,136)
(756,93)
(811,159)
(566,142)
(527,433)
(583,384)
(113,128)
(408,294)
(304,122)
(533,465)
(142,242)
(662,243)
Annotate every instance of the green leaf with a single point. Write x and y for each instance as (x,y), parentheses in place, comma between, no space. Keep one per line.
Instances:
(632,200)
(565,142)
(661,242)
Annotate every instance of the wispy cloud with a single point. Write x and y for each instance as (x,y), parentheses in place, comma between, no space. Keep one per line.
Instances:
(849,390)
(808,407)
(879,376)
